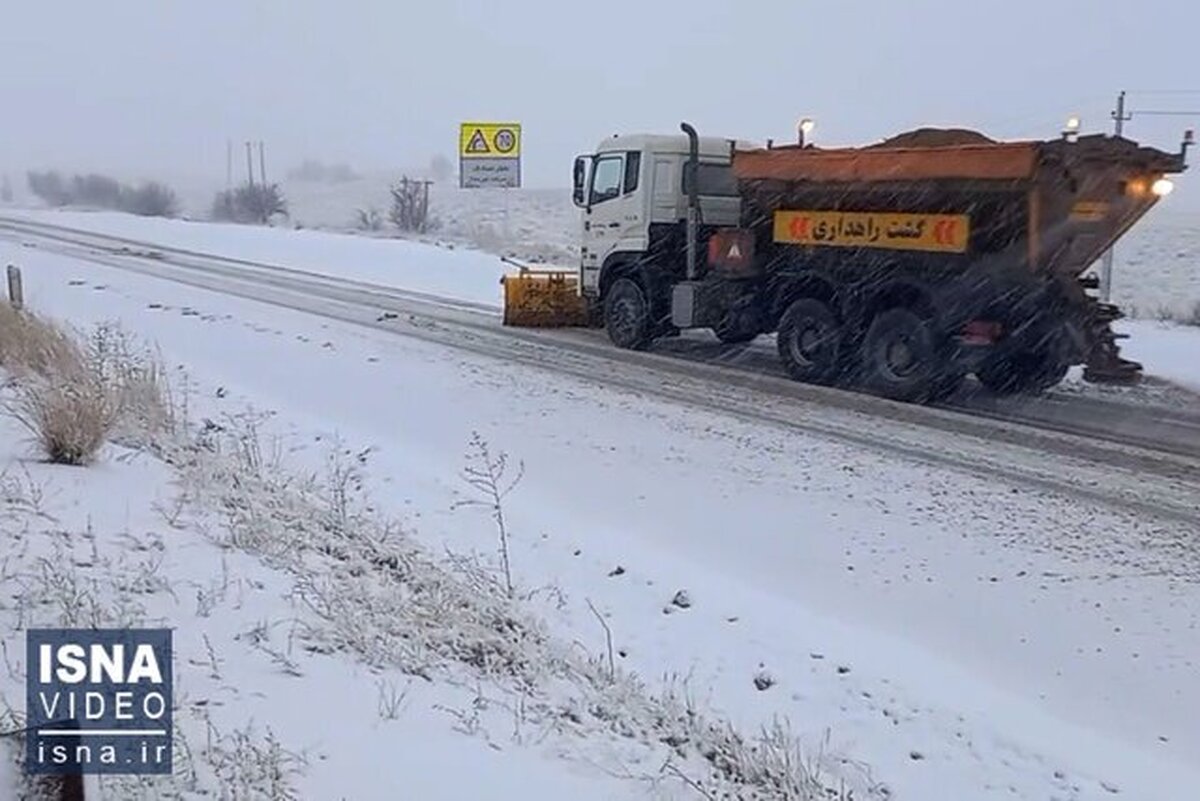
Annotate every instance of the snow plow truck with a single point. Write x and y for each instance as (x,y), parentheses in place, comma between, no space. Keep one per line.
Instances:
(901,267)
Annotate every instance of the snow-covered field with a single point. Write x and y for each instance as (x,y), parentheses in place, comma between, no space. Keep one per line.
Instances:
(1168,350)
(1156,272)
(956,637)
(534,224)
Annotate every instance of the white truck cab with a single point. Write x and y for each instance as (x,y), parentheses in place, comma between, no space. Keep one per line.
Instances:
(634,184)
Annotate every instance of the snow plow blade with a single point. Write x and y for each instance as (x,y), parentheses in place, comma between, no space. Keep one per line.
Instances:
(543,299)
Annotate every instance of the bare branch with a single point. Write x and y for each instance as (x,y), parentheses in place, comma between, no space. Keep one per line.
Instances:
(608,640)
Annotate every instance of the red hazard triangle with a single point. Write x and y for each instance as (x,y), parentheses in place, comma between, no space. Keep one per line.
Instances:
(478,143)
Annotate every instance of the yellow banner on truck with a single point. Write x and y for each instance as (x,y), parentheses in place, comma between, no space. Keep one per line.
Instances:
(935,233)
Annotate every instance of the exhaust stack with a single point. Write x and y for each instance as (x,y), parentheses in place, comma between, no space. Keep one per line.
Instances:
(693,193)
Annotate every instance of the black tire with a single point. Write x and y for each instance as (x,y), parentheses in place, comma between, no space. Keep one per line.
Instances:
(1022,373)
(810,342)
(741,323)
(900,356)
(731,335)
(1042,363)
(627,315)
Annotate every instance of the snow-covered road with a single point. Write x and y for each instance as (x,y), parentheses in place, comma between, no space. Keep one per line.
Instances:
(1153,417)
(929,618)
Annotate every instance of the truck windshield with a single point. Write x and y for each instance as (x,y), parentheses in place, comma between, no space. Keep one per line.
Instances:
(713,179)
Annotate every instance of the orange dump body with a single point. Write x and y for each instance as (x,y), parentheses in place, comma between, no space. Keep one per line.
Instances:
(1050,206)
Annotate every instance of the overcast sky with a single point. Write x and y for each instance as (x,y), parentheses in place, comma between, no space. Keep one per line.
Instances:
(145,86)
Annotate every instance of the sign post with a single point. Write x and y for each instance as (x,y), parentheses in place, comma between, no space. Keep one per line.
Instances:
(489,156)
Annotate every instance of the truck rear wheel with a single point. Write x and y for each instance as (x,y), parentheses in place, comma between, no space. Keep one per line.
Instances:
(899,356)
(627,315)
(1022,373)
(810,342)
(1039,365)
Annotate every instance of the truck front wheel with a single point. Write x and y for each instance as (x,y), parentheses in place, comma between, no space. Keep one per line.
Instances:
(810,342)
(627,315)
(899,356)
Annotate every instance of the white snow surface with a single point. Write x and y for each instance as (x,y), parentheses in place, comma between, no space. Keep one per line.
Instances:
(1168,350)
(449,271)
(963,638)
(237,667)
(10,773)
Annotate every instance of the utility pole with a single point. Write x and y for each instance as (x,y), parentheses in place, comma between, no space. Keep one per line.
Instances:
(250,164)
(1119,116)
(262,162)
(1106,268)
(425,204)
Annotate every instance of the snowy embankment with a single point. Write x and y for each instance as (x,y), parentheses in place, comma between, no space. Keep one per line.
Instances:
(962,637)
(308,656)
(316,641)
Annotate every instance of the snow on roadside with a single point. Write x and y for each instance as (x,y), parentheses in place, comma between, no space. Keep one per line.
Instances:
(280,586)
(1167,350)
(449,271)
(272,701)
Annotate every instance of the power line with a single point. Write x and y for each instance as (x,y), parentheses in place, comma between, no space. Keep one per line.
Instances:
(1164,113)
(1194,92)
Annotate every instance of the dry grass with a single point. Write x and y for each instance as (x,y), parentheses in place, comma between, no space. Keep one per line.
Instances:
(71,416)
(31,345)
(74,394)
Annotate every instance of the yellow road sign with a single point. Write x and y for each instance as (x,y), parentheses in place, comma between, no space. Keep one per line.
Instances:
(945,233)
(489,140)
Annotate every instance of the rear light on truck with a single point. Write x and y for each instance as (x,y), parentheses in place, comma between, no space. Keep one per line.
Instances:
(981,332)
(731,250)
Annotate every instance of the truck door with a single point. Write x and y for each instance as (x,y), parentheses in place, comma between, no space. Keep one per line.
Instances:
(666,195)
(615,219)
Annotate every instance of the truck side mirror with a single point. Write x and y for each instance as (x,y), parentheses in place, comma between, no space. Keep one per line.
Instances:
(580,179)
